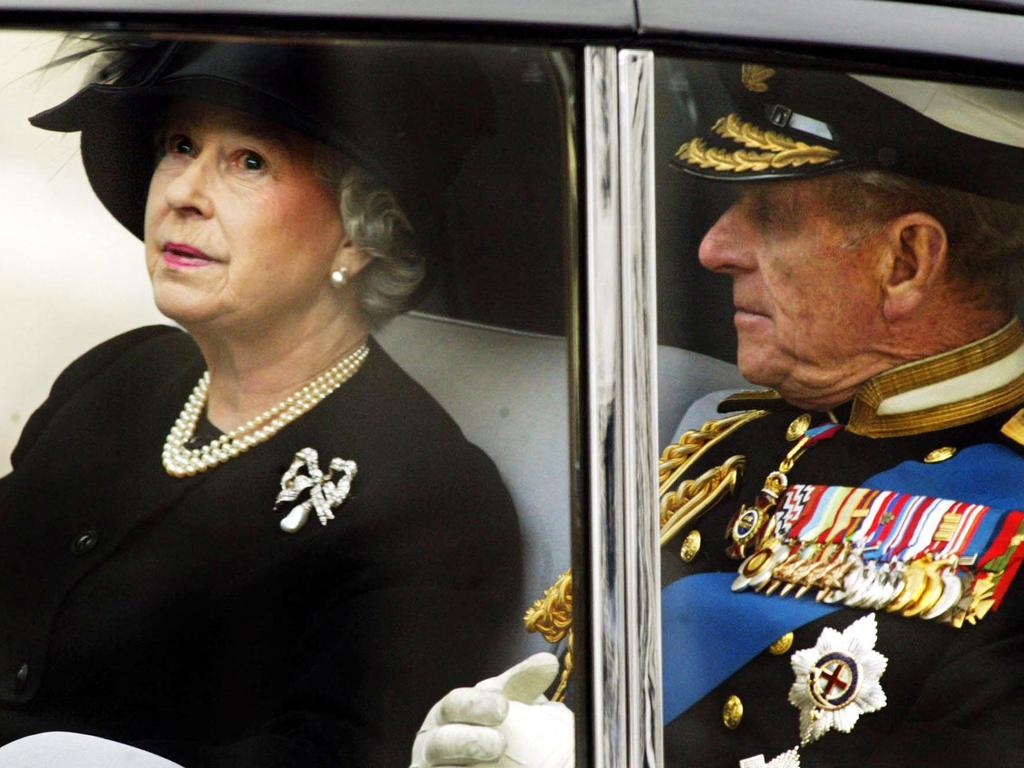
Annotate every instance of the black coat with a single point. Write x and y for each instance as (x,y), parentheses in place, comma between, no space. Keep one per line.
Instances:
(954,697)
(174,614)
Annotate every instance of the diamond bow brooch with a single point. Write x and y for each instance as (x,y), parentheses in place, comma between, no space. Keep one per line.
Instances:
(326,490)
(837,680)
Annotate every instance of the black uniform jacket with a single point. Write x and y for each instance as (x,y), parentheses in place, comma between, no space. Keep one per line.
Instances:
(952,696)
(176,615)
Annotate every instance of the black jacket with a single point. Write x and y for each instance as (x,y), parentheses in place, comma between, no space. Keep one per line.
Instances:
(174,614)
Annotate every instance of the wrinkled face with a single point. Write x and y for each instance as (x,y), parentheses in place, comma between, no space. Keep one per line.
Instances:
(240,232)
(805,288)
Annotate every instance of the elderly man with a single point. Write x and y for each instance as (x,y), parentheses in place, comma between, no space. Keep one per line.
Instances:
(861,611)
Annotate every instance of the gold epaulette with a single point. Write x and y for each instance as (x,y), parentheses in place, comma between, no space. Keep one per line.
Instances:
(551,616)
(747,399)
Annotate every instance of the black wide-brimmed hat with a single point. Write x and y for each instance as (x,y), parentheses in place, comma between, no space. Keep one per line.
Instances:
(408,114)
(790,123)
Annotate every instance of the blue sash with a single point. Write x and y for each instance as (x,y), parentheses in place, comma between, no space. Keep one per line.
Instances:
(708,632)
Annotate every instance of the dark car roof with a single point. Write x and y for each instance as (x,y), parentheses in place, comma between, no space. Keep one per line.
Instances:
(979,30)
(933,29)
(618,15)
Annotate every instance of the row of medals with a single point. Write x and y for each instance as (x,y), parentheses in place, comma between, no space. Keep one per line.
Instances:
(928,588)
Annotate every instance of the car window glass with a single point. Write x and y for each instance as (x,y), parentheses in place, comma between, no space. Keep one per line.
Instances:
(486,341)
(786,199)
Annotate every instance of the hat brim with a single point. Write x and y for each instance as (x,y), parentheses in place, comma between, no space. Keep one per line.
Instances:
(118,128)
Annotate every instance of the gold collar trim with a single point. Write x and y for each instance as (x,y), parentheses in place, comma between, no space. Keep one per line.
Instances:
(953,388)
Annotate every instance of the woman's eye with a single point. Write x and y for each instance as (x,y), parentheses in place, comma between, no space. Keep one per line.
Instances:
(181,145)
(253,162)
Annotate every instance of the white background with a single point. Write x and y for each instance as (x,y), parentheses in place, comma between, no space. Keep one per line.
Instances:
(70,275)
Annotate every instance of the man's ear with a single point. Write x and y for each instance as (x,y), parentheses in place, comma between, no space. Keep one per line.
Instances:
(915,264)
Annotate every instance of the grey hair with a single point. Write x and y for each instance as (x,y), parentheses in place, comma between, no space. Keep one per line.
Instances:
(985,236)
(375,223)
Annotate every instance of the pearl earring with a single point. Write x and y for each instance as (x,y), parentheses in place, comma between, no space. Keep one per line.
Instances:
(339,277)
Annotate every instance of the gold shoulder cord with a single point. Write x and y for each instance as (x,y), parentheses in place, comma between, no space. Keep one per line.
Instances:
(681,507)
(551,615)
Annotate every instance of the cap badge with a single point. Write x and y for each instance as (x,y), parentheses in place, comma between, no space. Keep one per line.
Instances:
(325,492)
(837,680)
(755,77)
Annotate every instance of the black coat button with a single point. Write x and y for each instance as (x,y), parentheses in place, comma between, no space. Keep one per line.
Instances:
(21,677)
(84,543)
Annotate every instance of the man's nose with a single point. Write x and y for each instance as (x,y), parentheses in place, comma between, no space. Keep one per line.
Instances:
(189,193)
(723,248)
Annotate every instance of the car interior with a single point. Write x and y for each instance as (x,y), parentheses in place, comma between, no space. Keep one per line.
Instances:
(489,341)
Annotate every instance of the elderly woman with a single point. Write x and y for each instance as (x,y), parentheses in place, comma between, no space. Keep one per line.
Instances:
(236,545)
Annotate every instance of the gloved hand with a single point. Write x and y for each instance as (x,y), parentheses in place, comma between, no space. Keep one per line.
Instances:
(503,721)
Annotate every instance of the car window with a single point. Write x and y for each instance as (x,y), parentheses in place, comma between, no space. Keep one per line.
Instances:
(468,457)
(793,204)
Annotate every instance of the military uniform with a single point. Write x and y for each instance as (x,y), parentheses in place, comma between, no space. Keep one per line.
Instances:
(912,470)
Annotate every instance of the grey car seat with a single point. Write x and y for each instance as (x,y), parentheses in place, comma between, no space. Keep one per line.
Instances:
(508,390)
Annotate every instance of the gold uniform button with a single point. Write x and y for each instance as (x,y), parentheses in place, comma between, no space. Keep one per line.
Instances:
(782,645)
(691,546)
(940,454)
(798,426)
(732,713)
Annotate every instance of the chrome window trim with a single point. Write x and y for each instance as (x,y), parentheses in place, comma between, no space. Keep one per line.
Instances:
(625,626)
(640,407)
(603,331)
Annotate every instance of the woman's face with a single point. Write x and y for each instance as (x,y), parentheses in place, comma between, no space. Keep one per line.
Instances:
(241,235)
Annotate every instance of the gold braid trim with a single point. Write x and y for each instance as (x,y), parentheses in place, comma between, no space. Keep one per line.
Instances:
(551,615)
(764,149)
(681,507)
(681,455)
(563,681)
(692,498)
(696,152)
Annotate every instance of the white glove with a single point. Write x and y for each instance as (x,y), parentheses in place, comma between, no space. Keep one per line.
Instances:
(503,721)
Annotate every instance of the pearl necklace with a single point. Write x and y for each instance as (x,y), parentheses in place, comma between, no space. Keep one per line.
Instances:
(180,461)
